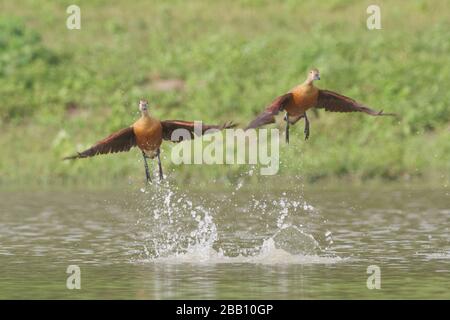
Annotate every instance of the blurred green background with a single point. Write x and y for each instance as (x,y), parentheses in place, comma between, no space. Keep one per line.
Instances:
(61,90)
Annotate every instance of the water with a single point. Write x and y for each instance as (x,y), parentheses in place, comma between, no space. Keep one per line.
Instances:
(163,243)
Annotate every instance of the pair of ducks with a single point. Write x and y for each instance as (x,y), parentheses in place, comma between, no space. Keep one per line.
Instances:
(147,133)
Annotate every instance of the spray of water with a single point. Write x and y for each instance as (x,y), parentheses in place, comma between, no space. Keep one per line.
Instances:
(176,227)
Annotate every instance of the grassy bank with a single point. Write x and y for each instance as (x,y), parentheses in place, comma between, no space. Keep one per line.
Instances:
(217,60)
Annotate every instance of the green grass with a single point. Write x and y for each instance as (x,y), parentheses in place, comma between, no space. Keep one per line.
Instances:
(65,89)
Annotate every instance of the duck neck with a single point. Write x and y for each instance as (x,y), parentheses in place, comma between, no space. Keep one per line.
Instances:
(147,118)
(144,114)
(308,82)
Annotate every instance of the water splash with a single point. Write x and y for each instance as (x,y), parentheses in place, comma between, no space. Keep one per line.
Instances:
(295,241)
(176,227)
(269,254)
(171,223)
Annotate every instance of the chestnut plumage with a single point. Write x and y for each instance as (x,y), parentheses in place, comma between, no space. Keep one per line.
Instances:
(147,133)
(305,96)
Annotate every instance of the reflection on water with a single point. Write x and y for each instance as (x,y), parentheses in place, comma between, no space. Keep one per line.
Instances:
(166,243)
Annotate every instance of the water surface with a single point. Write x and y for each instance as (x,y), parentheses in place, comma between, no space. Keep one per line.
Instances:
(163,243)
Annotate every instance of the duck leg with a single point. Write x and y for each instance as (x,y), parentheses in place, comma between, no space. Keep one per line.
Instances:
(306,127)
(147,173)
(286,118)
(161,176)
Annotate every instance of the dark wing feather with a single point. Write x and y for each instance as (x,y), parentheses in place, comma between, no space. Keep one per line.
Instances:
(268,115)
(169,126)
(335,102)
(122,140)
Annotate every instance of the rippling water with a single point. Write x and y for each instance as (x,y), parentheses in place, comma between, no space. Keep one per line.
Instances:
(273,243)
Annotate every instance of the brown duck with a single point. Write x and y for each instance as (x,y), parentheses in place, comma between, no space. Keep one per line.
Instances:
(305,96)
(147,133)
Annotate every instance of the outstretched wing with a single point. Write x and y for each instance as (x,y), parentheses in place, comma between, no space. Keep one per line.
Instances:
(169,126)
(122,140)
(267,116)
(335,102)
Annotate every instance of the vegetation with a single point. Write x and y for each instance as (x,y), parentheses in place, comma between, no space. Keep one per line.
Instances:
(218,60)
